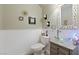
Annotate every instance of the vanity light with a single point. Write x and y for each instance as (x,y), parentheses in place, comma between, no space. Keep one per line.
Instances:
(45,16)
(48,23)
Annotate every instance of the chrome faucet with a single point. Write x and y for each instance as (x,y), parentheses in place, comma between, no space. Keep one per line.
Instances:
(58,32)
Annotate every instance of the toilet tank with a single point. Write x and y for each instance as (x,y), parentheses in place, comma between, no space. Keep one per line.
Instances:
(44,40)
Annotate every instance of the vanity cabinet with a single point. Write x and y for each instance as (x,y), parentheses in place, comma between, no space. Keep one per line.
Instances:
(53,49)
(56,49)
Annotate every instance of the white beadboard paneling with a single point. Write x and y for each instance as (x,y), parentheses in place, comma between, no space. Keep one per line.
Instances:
(16,42)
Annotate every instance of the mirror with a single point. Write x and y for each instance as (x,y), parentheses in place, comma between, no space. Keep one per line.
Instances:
(63,16)
(66,15)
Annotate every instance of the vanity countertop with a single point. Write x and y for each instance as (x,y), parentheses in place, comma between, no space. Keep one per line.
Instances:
(68,44)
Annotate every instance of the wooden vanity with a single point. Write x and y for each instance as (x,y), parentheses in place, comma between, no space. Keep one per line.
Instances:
(56,49)
(60,49)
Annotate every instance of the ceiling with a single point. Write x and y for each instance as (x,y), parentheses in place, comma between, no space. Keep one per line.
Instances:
(53,6)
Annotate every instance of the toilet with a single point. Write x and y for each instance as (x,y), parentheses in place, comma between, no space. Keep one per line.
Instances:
(38,48)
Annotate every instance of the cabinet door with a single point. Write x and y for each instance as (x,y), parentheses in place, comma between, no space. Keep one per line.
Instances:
(54,46)
(59,50)
(53,51)
(63,51)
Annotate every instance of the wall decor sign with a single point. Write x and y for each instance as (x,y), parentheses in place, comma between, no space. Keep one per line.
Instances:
(24,13)
(21,18)
(32,20)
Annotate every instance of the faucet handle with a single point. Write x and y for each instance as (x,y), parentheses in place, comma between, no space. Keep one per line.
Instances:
(59,30)
(55,37)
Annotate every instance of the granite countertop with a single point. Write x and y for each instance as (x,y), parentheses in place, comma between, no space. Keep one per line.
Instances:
(65,43)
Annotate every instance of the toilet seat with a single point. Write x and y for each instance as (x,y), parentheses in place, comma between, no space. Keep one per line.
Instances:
(38,46)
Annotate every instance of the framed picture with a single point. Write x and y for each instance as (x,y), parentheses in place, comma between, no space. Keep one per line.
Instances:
(32,20)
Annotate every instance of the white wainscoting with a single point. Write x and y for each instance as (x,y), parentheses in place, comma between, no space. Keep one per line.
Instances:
(16,42)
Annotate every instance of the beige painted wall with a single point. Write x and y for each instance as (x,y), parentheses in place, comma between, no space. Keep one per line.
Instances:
(12,12)
(0,16)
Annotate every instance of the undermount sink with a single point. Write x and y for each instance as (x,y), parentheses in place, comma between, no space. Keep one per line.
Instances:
(58,39)
(64,40)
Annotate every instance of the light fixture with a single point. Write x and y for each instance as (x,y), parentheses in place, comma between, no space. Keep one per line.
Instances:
(45,16)
(48,23)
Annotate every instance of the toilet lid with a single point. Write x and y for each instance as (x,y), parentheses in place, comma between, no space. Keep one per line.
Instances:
(38,46)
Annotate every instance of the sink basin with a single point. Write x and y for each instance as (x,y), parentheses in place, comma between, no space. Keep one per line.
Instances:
(65,40)
(58,39)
